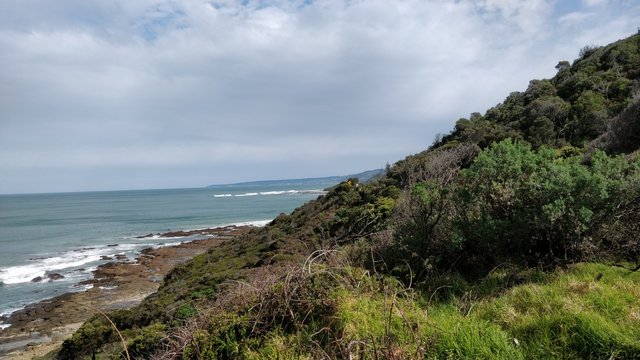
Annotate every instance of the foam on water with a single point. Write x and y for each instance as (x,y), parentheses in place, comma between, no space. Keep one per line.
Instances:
(40,268)
(257,223)
(67,263)
(275,192)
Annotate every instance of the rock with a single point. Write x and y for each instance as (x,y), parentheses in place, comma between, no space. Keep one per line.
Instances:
(55,276)
(121,257)
(105,257)
(37,279)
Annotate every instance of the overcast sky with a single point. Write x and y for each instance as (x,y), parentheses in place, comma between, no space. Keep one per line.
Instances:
(121,94)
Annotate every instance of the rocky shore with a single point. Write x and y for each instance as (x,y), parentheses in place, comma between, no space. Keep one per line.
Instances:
(43,326)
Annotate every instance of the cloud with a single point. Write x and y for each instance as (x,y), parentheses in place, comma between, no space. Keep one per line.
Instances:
(175,84)
(575,18)
(592,3)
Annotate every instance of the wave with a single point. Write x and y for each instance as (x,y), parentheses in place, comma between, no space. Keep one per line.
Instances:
(39,269)
(190,234)
(165,236)
(247,194)
(70,264)
(279,192)
(257,223)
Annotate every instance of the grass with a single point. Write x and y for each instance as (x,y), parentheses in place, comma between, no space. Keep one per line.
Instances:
(588,311)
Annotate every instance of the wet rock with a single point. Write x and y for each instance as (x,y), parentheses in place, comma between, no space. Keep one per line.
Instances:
(37,279)
(105,257)
(54,276)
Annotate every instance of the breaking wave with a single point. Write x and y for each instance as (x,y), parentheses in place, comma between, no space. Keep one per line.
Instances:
(268,193)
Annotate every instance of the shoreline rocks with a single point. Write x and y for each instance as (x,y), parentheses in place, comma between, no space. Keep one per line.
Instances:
(119,284)
(48,276)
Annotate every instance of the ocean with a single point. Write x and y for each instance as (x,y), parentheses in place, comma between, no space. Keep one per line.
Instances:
(70,234)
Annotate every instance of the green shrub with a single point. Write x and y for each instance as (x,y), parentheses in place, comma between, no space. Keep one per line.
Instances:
(186,311)
(146,342)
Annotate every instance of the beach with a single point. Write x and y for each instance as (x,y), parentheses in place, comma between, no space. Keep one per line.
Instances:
(41,327)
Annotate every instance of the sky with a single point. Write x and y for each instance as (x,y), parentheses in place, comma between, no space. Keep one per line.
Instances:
(121,94)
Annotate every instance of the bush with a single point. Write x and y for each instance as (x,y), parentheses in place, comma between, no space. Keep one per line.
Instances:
(145,344)
(515,205)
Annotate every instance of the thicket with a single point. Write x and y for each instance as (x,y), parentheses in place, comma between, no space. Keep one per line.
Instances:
(572,108)
(512,205)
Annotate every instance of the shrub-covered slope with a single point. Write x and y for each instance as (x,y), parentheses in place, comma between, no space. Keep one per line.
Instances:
(474,248)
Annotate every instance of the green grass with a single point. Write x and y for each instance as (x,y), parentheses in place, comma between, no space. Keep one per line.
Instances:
(395,325)
(572,315)
(559,315)
(587,311)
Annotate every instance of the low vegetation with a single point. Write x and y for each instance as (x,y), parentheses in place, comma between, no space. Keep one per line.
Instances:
(513,237)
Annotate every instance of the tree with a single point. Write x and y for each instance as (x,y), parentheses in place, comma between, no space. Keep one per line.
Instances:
(588,117)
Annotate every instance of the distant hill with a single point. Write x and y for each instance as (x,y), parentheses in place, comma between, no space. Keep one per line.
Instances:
(364,177)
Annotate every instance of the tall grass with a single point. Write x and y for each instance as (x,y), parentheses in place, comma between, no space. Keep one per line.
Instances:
(587,311)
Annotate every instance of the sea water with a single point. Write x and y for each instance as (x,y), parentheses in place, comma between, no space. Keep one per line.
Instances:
(71,234)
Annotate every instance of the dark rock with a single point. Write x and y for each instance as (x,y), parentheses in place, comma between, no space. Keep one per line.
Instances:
(37,279)
(105,257)
(55,276)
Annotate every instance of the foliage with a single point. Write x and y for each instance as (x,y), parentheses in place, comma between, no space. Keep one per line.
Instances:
(588,311)
(145,343)
(520,205)
(185,311)
(88,339)
(512,204)
(623,132)
(573,107)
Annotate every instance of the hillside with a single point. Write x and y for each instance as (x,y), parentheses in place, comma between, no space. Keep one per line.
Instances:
(364,176)
(514,236)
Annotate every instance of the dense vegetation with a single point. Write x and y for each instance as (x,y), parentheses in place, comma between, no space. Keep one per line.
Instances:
(508,238)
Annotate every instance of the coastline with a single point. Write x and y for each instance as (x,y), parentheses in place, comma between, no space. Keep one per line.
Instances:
(41,327)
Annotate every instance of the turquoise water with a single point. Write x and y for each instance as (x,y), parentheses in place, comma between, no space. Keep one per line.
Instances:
(69,233)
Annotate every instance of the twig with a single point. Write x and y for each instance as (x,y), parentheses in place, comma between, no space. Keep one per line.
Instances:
(436,290)
(626,268)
